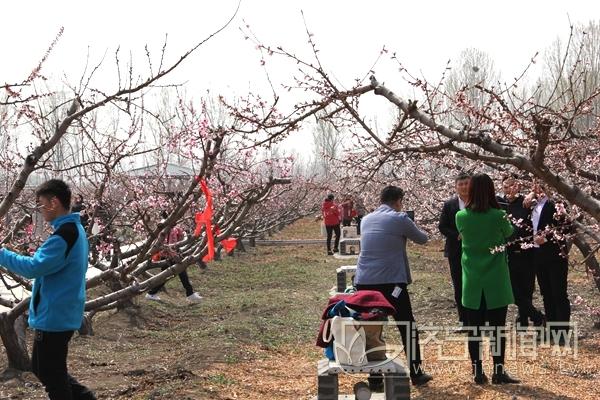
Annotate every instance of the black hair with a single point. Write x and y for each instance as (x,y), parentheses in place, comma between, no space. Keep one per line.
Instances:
(55,188)
(509,176)
(482,195)
(330,197)
(461,176)
(391,194)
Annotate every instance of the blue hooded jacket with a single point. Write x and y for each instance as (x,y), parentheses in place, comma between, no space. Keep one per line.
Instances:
(58,267)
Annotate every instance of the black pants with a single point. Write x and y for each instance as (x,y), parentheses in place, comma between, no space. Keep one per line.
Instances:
(406,325)
(49,364)
(347,222)
(330,229)
(522,278)
(358,220)
(185,281)
(496,319)
(456,276)
(551,270)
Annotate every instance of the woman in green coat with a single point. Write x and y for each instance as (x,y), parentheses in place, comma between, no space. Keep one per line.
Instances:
(486,291)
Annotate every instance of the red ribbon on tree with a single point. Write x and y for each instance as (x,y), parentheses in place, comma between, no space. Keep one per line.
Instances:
(229,244)
(204,218)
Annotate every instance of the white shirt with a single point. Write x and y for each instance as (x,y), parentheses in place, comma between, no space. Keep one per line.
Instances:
(461,204)
(536,213)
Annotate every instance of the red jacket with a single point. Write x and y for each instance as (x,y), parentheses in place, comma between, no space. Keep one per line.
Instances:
(331,212)
(348,210)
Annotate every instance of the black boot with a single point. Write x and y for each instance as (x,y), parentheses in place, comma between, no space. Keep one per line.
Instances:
(500,376)
(478,375)
(420,378)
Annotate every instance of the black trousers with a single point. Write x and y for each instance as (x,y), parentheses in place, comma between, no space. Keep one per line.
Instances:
(496,319)
(330,229)
(522,278)
(358,221)
(454,260)
(347,222)
(49,364)
(406,324)
(185,281)
(551,270)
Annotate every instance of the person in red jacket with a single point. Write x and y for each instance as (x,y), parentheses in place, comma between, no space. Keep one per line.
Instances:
(175,235)
(331,218)
(348,211)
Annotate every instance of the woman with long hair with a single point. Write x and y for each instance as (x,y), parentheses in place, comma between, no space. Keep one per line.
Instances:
(486,291)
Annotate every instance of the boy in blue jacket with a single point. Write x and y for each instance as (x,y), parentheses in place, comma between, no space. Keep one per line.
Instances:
(58,295)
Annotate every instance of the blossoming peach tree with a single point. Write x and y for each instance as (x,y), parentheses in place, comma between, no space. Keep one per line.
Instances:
(141,172)
(546,132)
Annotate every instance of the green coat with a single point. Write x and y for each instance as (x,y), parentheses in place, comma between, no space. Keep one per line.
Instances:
(482,271)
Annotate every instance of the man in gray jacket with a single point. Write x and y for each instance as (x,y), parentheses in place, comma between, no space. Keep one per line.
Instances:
(383,266)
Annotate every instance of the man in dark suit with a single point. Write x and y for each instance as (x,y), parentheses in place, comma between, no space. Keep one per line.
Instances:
(520,258)
(453,246)
(551,260)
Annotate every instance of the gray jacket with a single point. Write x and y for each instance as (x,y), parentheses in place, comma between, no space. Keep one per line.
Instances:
(383,257)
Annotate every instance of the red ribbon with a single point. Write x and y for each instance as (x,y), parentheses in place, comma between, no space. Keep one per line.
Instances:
(229,244)
(204,218)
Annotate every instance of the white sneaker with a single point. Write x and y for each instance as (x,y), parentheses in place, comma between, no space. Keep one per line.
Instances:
(154,297)
(194,298)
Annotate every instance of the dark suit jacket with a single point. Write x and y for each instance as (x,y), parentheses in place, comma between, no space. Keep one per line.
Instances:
(553,248)
(517,211)
(447,227)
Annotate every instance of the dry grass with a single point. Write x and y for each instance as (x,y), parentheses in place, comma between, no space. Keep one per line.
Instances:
(253,337)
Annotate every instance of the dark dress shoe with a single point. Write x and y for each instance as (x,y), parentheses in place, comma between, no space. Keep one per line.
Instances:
(481,379)
(329,253)
(499,379)
(420,379)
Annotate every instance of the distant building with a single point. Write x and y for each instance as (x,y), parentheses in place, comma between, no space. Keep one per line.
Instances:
(174,177)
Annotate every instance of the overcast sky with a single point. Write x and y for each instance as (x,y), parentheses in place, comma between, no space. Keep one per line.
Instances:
(350,34)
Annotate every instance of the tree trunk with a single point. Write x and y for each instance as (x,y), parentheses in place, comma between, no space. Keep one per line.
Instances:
(218,253)
(13,338)
(87,328)
(240,246)
(590,258)
(122,304)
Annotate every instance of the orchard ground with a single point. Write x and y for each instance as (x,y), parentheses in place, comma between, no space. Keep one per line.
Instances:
(253,336)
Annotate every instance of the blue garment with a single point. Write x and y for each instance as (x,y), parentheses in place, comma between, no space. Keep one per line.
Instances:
(383,237)
(58,267)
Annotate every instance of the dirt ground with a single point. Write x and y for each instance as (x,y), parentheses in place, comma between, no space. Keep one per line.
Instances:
(253,336)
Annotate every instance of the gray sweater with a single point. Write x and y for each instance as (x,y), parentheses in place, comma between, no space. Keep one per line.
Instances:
(383,257)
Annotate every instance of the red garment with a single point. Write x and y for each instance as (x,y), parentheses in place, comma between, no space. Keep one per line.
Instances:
(347,210)
(331,212)
(175,235)
(361,301)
